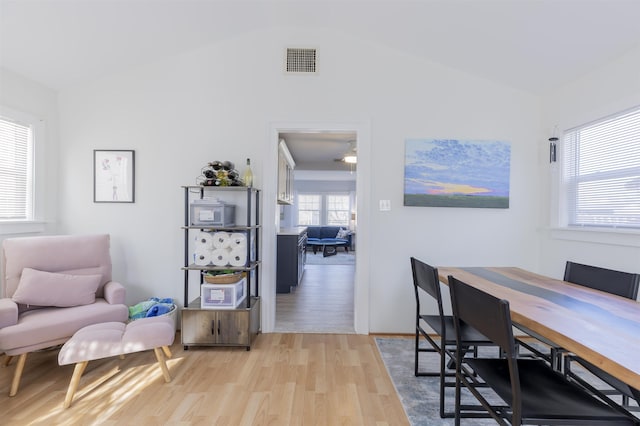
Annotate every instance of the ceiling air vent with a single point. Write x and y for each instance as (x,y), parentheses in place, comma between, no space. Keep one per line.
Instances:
(300,60)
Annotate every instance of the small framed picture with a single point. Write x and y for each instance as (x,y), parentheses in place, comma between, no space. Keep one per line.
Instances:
(113,176)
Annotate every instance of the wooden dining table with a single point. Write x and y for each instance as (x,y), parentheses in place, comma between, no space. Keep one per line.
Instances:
(600,327)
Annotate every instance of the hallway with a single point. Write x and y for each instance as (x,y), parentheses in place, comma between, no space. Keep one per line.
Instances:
(322,303)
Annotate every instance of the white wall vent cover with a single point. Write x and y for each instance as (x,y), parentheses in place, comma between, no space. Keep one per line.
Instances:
(300,60)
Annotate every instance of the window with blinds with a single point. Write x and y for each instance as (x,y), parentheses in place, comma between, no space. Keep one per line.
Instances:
(602,172)
(309,209)
(338,210)
(323,209)
(16,182)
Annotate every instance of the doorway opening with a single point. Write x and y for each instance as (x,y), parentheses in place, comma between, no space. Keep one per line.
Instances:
(323,201)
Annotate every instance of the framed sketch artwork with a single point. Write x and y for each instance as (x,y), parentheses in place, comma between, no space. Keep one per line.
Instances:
(113,176)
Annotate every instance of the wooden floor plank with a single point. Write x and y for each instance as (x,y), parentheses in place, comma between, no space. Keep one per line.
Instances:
(286,379)
(322,303)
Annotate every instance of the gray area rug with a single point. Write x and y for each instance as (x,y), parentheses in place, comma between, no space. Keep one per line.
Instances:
(340,258)
(420,396)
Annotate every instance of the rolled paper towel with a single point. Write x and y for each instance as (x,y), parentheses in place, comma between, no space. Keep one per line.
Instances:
(202,256)
(221,240)
(238,257)
(238,240)
(220,257)
(204,240)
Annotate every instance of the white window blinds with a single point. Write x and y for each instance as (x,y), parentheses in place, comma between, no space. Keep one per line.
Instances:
(602,172)
(15,170)
(309,209)
(338,210)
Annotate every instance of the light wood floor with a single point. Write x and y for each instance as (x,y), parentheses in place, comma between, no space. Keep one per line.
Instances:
(286,379)
(322,303)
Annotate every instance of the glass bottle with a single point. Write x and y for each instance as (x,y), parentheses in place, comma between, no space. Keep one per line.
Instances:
(247,175)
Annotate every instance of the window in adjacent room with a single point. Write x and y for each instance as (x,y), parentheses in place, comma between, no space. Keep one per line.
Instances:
(16,167)
(324,209)
(338,210)
(601,177)
(309,209)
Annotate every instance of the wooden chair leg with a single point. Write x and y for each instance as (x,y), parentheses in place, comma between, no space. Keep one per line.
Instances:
(7,360)
(163,364)
(75,380)
(167,351)
(18,374)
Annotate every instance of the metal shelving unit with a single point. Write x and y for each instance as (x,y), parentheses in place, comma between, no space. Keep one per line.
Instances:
(222,327)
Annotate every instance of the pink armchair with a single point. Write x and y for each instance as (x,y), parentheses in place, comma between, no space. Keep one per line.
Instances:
(52,286)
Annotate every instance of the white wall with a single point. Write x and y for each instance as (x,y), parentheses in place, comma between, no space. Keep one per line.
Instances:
(609,89)
(219,102)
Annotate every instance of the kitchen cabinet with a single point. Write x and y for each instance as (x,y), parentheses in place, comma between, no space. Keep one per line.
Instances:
(291,258)
(285,174)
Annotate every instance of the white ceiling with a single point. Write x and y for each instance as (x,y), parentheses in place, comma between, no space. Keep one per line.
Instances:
(321,150)
(532,45)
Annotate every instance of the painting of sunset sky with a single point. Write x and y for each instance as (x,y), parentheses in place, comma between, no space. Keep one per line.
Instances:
(457,173)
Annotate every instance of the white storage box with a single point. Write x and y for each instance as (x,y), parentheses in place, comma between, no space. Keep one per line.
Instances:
(212,213)
(223,296)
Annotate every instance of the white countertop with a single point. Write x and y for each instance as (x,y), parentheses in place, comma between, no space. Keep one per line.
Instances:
(292,231)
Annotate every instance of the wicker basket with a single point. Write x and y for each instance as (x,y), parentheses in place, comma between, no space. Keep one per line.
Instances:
(225,278)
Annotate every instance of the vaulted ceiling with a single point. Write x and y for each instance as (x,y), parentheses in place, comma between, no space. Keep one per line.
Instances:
(534,45)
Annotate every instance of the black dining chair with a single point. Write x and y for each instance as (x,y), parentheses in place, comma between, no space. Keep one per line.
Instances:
(531,392)
(622,284)
(425,279)
(617,387)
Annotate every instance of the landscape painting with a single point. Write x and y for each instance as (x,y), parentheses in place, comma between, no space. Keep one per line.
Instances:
(457,173)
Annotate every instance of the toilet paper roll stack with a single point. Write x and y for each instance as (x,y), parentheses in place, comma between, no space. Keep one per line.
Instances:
(238,257)
(238,240)
(202,257)
(220,249)
(204,240)
(221,240)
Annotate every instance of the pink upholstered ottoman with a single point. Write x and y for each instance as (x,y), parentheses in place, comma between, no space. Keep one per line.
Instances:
(115,338)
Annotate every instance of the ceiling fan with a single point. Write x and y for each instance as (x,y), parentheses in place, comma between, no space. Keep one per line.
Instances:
(350,156)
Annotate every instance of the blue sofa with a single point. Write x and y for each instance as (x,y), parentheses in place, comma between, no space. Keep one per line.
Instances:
(318,236)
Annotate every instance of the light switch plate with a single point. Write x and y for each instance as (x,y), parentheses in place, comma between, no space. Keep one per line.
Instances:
(385,205)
